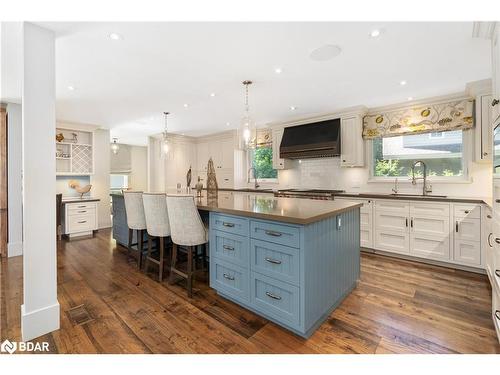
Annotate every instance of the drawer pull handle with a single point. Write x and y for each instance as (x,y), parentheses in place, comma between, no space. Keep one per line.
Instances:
(497,314)
(489,238)
(497,200)
(273,233)
(229,277)
(456,226)
(82,212)
(466,211)
(273,261)
(274,296)
(488,216)
(226,247)
(229,225)
(82,206)
(497,272)
(497,240)
(82,222)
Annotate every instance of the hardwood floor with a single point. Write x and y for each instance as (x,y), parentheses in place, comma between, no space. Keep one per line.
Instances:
(398,307)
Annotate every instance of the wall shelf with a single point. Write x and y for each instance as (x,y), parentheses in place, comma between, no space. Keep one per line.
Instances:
(80,161)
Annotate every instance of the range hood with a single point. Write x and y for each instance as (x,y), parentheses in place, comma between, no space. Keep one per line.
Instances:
(315,140)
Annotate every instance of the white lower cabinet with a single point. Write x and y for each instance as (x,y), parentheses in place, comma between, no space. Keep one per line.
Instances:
(393,241)
(365,220)
(430,247)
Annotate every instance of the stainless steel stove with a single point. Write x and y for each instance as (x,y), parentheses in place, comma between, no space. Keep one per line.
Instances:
(318,194)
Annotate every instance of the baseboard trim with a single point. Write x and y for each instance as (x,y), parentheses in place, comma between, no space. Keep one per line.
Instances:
(39,322)
(14,249)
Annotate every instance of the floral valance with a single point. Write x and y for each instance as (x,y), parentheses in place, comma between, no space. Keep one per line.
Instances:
(264,138)
(453,115)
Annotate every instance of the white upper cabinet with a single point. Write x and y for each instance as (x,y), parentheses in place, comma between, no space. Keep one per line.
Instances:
(278,163)
(202,156)
(352,145)
(484,130)
(495,54)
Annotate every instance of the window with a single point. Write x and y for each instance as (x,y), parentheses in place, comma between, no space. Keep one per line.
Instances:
(118,181)
(442,152)
(262,160)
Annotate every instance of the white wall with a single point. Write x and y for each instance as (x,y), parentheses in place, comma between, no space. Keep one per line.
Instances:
(15,165)
(138,177)
(100,178)
(40,310)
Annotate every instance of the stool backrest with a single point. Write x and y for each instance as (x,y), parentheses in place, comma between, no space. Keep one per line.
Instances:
(155,211)
(186,226)
(134,208)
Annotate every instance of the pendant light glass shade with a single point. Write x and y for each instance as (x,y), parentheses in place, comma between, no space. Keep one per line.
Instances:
(114,146)
(165,146)
(248,130)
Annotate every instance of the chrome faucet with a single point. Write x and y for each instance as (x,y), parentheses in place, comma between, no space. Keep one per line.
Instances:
(426,188)
(254,176)
(395,189)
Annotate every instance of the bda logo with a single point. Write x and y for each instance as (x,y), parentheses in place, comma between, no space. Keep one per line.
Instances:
(9,347)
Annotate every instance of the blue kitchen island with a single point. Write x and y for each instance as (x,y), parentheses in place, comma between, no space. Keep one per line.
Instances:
(290,260)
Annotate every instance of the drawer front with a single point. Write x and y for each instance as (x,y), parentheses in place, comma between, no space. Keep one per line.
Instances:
(430,209)
(229,279)
(81,206)
(467,210)
(391,221)
(79,211)
(467,252)
(278,261)
(230,224)
(430,225)
(276,299)
(277,233)
(397,242)
(430,248)
(468,229)
(393,206)
(81,223)
(229,247)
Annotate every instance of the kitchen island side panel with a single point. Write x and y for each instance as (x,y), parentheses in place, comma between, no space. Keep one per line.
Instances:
(330,264)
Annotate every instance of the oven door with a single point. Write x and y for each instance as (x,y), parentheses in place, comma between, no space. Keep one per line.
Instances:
(496,151)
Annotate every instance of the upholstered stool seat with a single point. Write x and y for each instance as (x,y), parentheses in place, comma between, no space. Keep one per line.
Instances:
(136,220)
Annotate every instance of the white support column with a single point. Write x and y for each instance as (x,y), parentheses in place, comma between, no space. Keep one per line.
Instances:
(40,311)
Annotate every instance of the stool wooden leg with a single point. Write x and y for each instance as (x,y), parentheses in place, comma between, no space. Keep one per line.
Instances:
(174,262)
(160,266)
(190,271)
(140,236)
(129,245)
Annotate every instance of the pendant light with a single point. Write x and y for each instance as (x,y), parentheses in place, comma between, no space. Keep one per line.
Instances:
(248,132)
(165,146)
(114,146)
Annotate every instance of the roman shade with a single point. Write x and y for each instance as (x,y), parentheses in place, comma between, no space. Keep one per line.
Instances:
(448,116)
(264,138)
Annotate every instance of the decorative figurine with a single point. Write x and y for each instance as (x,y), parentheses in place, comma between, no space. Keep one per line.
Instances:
(80,190)
(212,186)
(60,137)
(199,187)
(75,138)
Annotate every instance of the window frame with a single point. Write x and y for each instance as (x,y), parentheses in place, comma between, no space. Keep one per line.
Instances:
(467,155)
(263,180)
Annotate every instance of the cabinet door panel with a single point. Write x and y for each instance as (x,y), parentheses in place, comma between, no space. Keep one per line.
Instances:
(393,205)
(429,247)
(430,226)
(391,221)
(468,229)
(366,237)
(430,209)
(397,242)
(467,252)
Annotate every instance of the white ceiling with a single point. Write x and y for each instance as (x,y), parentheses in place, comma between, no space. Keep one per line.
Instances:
(125,85)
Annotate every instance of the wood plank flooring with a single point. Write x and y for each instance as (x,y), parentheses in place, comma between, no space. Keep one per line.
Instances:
(398,307)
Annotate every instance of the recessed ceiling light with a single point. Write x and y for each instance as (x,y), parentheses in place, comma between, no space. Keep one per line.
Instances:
(402,83)
(375,33)
(212,94)
(186,105)
(228,123)
(278,70)
(71,88)
(115,36)
(326,52)
(410,98)
(292,108)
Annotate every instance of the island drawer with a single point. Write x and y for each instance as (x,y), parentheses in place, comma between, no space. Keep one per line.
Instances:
(229,247)
(278,261)
(229,279)
(277,299)
(81,206)
(230,224)
(274,232)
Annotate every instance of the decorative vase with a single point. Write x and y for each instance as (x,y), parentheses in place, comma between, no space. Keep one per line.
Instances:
(212,186)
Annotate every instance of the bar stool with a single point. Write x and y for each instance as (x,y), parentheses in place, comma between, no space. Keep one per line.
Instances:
(134,209)
(187,232)
(155,211)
